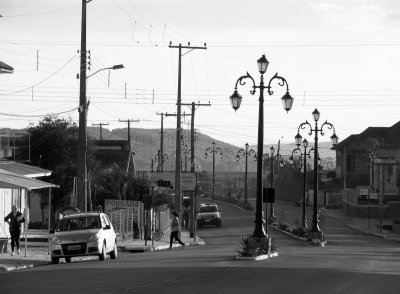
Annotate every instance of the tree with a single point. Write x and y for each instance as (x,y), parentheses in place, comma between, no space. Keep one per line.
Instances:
(112,180)
(54,144)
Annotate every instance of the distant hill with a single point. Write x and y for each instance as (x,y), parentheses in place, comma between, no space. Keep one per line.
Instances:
(146,143)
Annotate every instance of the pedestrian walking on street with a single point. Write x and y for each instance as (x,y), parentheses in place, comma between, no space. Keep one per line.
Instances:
(14,220)
(175,229)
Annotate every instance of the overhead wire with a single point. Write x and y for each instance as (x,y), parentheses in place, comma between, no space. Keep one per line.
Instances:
(43,80)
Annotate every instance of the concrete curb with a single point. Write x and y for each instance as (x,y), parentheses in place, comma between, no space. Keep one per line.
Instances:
(287,233)
(147,248)
(15,267)
(259,257)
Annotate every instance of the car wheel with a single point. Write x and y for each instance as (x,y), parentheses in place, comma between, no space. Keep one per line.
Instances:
(219,224)
(114,252)
(55,260)
(68,259)
(103,254)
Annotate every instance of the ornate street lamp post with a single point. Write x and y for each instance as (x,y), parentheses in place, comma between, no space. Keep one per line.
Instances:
(315,230)
(246,152)
(160,160)
(213,151)
(303,155)
(236,100)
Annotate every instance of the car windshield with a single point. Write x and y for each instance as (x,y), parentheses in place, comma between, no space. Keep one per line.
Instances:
(79,223)
(208,209)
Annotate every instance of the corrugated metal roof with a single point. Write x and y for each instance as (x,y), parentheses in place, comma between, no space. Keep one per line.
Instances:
(24,169)
(9,180)
(5,68)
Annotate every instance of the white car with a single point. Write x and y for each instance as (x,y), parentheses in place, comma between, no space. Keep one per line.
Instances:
(209,214)
(80,234)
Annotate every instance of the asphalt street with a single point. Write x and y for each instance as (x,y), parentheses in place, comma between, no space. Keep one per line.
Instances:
(352,262)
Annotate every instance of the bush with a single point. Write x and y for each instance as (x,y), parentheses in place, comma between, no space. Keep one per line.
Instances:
(250,247)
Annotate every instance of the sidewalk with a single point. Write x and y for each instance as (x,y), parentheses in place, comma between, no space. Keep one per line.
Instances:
(288,212)
(370,227)
(38,254)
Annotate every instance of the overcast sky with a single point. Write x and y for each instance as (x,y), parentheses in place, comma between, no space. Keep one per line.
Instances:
(340,56)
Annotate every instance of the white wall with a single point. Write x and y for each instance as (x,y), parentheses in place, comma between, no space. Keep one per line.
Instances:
(8,198)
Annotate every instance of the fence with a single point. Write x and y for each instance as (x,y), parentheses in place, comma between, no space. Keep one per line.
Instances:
(161,224)
(122,221)
(334,199)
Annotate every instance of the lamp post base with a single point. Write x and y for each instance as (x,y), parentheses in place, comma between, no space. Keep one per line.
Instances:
(304,225)
(272,220)
(264,243)
(316,236)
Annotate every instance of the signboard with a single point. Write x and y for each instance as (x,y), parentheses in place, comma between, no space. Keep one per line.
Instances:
(167,179)
(135,209)
(113,204)
(188,181)
(363,191)
(373,196)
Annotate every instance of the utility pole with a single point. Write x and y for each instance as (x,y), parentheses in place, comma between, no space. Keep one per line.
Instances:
(178,196)
(101,129)
(129,126)
(162,134)
(161,151)
(193,106)
(161,161)
(83,105)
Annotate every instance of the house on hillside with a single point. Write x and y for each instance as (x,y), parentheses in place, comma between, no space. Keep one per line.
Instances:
(369,166)
(119,152)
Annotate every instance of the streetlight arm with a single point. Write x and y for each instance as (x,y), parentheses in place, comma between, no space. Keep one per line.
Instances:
(303,125)
(329,126)
(251,151)
(309,152)
(98,71)
(240,152)
(242,81)
(281,83)
(218,150)
(296,151)
(266,156)
(208,150)
(114,67)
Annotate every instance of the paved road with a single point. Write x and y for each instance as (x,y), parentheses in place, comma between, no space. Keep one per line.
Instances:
(351,263)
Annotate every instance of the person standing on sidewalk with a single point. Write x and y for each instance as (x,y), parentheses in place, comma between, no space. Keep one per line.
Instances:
(14,220)
(175,228)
